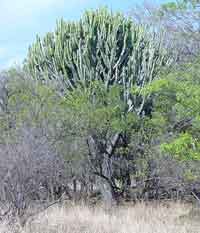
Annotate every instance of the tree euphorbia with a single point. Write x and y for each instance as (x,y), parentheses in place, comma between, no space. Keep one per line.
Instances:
(99,61)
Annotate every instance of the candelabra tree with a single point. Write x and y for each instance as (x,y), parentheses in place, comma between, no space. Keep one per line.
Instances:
(101,64)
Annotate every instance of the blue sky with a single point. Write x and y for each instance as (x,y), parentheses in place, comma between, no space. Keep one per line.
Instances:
(21,20)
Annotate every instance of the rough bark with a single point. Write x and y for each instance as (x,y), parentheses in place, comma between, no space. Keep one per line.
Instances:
(101,164)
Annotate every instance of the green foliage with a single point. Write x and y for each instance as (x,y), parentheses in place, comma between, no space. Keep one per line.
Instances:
(101,77)
(177,100)
(191,175)
(96,109)
(33,103)
(102,46)
(98,60)
(181,87)
(185,147)
(179,5)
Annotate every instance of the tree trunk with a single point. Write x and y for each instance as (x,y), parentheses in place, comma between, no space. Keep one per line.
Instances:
(106,186)
(101,164)
(74,186)
(108,195)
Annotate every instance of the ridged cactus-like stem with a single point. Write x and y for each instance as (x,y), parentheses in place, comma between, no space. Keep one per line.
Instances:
(100,46)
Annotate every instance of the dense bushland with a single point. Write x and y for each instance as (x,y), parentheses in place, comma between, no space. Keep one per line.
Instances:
(104,108)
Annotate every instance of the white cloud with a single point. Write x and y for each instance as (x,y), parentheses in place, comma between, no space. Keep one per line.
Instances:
(11,61)
(12,10)
(19,19)
(3,52)
(14,61)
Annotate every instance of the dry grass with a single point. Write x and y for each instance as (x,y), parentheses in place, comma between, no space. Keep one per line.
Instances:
(140,218)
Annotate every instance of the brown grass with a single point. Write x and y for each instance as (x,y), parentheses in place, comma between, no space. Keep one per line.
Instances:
(141,218)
